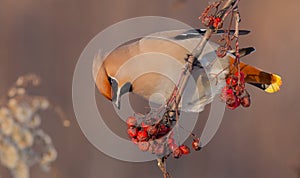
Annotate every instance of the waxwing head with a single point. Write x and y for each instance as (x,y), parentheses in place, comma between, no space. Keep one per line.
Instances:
(110,87)
(118,91)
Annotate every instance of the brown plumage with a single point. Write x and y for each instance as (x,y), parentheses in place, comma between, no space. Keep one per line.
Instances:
(153,65)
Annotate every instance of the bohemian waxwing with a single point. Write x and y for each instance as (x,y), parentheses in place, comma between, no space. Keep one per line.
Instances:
(153,64)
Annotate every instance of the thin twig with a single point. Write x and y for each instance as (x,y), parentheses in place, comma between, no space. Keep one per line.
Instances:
(163,167)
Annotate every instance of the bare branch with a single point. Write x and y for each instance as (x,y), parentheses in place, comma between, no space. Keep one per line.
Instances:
(229,5)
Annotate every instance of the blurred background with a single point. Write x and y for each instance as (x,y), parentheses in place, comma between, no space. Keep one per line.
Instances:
(46,37)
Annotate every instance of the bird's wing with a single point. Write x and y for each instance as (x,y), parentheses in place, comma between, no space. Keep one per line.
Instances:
(206,82)
(209,80)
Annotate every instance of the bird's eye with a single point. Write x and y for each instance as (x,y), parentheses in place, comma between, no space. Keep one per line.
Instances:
(110,80)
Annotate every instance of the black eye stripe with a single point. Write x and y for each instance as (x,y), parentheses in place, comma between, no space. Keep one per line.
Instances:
(112,81)
(114,87)
(127,87)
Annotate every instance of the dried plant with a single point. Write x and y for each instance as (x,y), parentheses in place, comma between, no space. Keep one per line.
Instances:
(23,143)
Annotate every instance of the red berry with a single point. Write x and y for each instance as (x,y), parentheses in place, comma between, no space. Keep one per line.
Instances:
(239,90)
(232,102)
(231,81)
(217,23)
(177,153)
(163,129)
(142,135)
(152,130)
(218,19)
(208,20)
(173,146)
(170,141)
(132,132)
(245,101)
(226,91)
(196,145)
(144,126)
(131,121)
(229,91)
(143,146)
(228,81)
(230,99)
(184,149)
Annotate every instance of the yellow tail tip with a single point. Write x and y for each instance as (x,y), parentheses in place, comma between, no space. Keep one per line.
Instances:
(276,82)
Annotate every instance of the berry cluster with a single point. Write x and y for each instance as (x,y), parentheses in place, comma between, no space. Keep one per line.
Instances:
(234,93)
(178,151)
(211,21)
(146,130)
(155,135)
(148,134)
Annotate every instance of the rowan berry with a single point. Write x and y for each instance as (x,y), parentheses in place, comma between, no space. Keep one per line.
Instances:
(132,132)
(196,145)
(142,135)
(152,130)
(131,121)
(143,146)
(177,153)
(245,101)
(184,149)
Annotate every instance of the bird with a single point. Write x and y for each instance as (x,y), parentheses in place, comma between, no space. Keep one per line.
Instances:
(153,64)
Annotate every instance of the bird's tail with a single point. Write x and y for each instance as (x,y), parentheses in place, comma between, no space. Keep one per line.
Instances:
(266,81)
